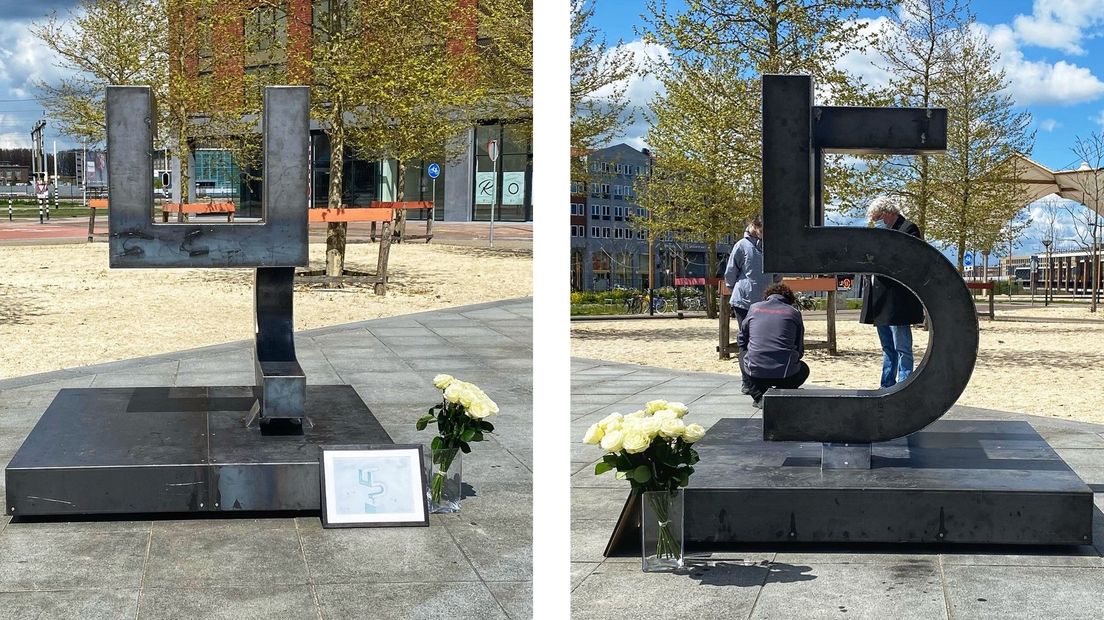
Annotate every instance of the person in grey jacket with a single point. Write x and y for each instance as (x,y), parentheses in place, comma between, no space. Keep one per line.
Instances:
(745,278)
(773,340)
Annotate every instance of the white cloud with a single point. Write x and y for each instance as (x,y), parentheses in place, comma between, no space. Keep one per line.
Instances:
(640,88)
(1038,81)
(1059,24)
(1049,124)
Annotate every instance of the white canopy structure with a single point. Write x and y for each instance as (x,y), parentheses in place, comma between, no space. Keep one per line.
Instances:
(1084,184)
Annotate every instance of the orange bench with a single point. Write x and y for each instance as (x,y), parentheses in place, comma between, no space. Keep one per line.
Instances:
(726,348)
(93,204)
(383,216)
(985,286)
(183,210)
(401,208)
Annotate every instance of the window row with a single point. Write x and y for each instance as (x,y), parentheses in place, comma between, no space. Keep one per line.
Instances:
(626,169)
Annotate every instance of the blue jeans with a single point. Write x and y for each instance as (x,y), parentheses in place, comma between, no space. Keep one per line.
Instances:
(896,353)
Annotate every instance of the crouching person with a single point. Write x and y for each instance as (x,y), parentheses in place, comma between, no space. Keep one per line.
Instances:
(772,341)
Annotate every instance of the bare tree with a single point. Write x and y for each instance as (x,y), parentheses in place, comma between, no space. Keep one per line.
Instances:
(1090,149)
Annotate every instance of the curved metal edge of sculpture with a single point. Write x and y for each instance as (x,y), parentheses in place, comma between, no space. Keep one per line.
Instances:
(796,242)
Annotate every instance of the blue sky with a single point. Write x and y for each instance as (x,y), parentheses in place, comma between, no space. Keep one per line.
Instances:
(1051,50)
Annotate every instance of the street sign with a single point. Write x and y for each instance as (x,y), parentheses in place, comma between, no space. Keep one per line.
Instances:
(492,149)
(1034,262)
(845,281)
(968,260)
(434,170)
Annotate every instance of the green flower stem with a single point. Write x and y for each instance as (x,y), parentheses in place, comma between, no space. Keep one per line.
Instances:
(443,458)
(667,546)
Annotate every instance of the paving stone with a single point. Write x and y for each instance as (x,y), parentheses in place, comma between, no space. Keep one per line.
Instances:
(117,603)
(210,553)
(904,589)
(623,591)
(589,538)
(413,601)
(411,554)
(31,560)
(229,603)
(1023,591)
(516,597)
(580,571)
(500,549)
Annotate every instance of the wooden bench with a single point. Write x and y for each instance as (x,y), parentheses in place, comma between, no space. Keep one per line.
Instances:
(726,347)
(401,209)
(382,216)
(183,210)
(985,286)
(93,205)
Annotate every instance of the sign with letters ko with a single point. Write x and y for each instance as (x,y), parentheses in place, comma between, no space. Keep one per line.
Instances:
(484,188)
(513,188)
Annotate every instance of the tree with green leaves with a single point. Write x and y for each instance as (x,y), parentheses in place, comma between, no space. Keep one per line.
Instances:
(704,181)
(706,126)
(171,46)
(599,80)
(917,50)
(975,186)
(389,79)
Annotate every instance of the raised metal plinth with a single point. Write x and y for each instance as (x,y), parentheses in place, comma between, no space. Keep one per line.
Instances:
(957,481)
(177,449)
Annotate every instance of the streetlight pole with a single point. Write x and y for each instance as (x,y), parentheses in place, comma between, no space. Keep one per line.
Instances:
(1046,283)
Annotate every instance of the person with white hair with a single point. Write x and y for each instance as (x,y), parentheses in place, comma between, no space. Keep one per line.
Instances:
(889,305)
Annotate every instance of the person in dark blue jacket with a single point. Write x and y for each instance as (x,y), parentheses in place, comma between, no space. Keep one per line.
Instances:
(772,339)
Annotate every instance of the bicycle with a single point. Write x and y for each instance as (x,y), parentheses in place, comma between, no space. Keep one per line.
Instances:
(634,305)
(805,302)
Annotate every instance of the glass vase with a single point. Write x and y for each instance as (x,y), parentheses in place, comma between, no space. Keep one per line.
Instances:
(661,531)
(444,469)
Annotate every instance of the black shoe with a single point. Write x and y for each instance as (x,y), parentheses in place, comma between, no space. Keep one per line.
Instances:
(745,389)
(758,403)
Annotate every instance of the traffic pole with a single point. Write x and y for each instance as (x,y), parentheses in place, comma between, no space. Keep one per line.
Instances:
(40,217)
(9,208)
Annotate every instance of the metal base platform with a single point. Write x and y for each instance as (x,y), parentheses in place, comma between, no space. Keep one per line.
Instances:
(991,482)
(177,449)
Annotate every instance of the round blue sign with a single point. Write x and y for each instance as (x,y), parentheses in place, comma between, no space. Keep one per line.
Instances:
(968,259)
(434,170)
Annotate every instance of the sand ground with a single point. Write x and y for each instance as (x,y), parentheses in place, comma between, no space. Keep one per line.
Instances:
(60,305)
(1049,361)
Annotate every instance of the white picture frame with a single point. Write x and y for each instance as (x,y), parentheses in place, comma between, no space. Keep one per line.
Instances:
(373,486)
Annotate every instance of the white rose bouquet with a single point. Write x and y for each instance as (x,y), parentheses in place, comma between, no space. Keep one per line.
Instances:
(461,419)
(652,449)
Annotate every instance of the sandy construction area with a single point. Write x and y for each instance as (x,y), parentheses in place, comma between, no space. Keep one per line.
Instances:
(60,306)
(1049,361)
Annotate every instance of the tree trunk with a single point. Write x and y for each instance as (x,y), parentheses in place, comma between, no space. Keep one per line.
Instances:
(400,195)
(710,270)
(336,231)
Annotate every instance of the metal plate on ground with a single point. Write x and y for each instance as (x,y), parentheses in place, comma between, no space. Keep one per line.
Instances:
(957,481)
(180,449)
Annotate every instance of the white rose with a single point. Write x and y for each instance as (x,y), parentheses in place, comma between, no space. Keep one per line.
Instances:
(672,428)
(665,414)
(594,435)
(480,409)
(454,391)
(636,415)
(650,427)
(612,441)
(611,421)
(653,406)
(679,408)
(442,381)
(693,433)
(636,441)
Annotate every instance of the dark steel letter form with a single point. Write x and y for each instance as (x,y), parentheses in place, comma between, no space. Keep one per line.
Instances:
(796,134)
(275,246)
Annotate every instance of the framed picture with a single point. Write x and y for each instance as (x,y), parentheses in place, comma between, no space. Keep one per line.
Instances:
(373,486)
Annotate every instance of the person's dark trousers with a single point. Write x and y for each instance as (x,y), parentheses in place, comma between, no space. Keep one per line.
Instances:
(741,314)
(792,382)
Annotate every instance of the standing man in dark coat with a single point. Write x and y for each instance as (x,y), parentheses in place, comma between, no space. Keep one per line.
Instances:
(889,305)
